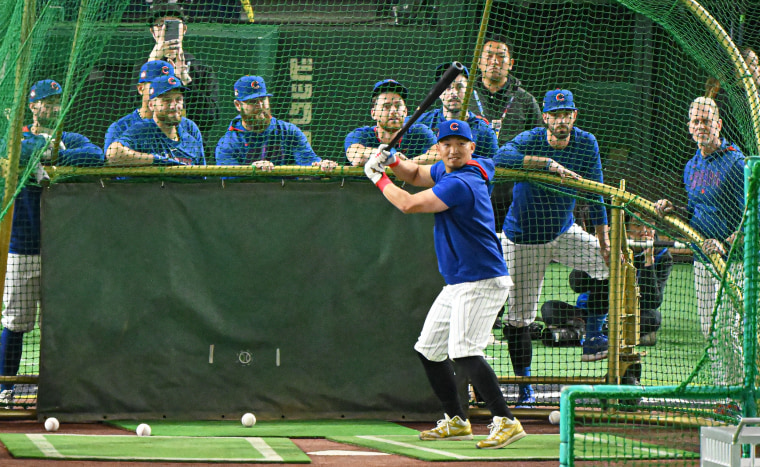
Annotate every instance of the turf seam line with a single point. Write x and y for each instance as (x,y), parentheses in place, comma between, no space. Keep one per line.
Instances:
(45,446)
(419,448)
(260,445)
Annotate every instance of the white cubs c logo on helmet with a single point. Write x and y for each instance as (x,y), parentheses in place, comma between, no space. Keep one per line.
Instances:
(454,126)
(165,70)
(560,97)
(55,86)
(255,85)
(171,80)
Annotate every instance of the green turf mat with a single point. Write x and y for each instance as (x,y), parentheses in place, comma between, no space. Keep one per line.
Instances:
(153,448)
(533,447)
(281,428)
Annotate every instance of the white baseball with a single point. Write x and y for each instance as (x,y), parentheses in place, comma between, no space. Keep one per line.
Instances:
(51,424)
(554,417)
(248,420)
(143,429)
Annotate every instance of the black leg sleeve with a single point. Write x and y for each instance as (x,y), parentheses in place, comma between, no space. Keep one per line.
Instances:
(484,380)
(443,381)
(520,347)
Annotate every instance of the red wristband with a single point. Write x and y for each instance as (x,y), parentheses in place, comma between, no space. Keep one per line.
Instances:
(383,182)
(394,164)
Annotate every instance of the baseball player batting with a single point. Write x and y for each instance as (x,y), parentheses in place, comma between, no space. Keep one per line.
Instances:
(458,324)
(539,227)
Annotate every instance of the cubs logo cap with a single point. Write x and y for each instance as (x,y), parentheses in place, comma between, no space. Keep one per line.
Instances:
(164,84)
(454,128)
(390,85)
(43,89)
(250,87)
(441,69)
(559,99)
(155,68)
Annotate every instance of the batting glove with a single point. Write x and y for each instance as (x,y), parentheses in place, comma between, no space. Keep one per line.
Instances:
(388,156)
(376,172)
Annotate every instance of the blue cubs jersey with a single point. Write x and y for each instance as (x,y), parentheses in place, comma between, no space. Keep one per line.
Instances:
(145,136)
(121,125)
(281,143)
(715,189)
(486,144)
(465,242)
(414,143)
(537,214)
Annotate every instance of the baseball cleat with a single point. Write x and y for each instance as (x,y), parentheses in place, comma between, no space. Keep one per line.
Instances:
(503,432)
(453,429)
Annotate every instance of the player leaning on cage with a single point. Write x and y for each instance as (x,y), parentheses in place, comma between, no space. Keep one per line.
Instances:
(458,324)
(714,182)
(21,295)
(257,138)
(166,139)
(540,227)
(451,100)
(389,111)
(148,72)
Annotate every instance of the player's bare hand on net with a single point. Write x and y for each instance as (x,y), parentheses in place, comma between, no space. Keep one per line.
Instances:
(326,165)
(663,207)
(266,166)
(713,246)
(562,171)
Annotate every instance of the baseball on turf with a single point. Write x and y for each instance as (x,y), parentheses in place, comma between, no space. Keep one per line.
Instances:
(51,424)
(554,417)
(143,429)
(248,419)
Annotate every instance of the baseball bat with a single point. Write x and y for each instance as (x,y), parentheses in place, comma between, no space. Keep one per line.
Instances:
(447,78)
(656,244)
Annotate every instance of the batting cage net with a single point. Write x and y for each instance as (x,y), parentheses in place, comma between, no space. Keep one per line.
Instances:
(662,95)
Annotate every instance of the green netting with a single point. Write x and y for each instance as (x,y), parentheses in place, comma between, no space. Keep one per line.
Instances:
(634,68)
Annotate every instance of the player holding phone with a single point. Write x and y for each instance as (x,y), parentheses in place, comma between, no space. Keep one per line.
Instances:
(458,324)
(168,25)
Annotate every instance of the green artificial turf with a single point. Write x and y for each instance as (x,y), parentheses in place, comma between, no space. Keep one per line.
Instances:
(278,428)
(153,448)
(592,446)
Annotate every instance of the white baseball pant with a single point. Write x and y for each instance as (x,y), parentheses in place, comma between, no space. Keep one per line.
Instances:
(527,265)
(21,294)
(460,320)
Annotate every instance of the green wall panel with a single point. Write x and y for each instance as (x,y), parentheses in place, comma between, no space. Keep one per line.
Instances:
(311,294)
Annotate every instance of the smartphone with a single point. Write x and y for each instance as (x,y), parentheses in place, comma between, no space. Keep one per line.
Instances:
(171,31)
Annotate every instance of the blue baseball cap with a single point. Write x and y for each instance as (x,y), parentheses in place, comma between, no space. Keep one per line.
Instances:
(559,99)
(390,85)
(43,89)
(441,69)
(155,68)
(454,128)
(164,84)
(250,87)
